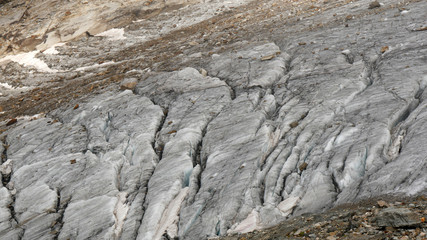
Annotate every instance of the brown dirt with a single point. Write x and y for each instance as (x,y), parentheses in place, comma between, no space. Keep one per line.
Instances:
(349,221)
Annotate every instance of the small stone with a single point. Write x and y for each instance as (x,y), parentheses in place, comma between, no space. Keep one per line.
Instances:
(331,238)
(203,72)
(299,232)
(320,224)
(348,55)
(374,4)
(397,217)
(193,43)
(384,49)
(128,83)
(6,168)
(10,185)
(346,52)
(12,121)
(293,124)
(303,166)
(421,29)
(269,57)
(382,203)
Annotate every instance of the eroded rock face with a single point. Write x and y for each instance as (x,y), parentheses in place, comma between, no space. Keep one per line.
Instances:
(263,132)
(398,217)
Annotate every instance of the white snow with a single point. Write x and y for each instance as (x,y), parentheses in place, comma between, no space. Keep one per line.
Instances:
(52,50)
(94,66)
(6,85)
(120,212)
(250,224)
(170,219)
(29,59)
(346,52)
(287,206)
(113,34)
(10,87)
(26,117)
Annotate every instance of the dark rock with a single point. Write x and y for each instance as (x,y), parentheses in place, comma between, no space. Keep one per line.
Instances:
(397,217)
(293,124)
(384,49)
(11,122)
(374,4)
(303,166)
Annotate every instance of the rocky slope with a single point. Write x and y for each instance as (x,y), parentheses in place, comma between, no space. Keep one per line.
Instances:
(366,219)
(234,122)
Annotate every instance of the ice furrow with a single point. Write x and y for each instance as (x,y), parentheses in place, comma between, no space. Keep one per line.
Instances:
(60,208)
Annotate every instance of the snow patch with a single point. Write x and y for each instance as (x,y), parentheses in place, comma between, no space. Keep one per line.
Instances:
(113,34)
(10,87)
(52,50)
(34,117)
(250,224)
(29,59)
(26,117)
(120,213)
(288,205)
(170,219)
(94,66)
